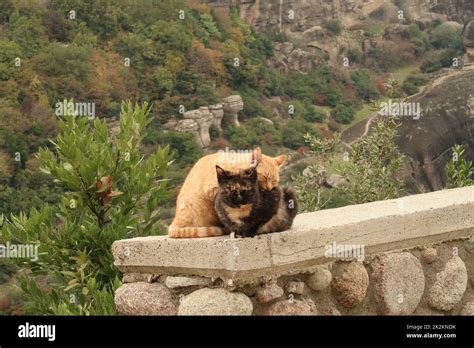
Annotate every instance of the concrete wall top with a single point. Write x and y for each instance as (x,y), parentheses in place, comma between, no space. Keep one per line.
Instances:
(372,228)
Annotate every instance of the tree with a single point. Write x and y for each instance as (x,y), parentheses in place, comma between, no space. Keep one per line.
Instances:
(57,27)
(363,85)
(344,113)
(374,162)
(112,192)
(459,170)
(9,50)
(71,61)
(28,33)
(311,183)
(184,145)
(445,36)
(207,21)
(334,26)
(7,7)
(296,129)
(6,167)
(138,48)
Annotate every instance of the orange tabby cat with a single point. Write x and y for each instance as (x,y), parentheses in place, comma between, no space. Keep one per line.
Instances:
(195,214)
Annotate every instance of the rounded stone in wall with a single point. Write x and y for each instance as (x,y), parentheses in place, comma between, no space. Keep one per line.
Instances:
(219,301)
(429,255)
(319,279)
(290,307)
(450,285)
(143,298)
(349,283)
(295,287)
(268,292)
(468,309)
(399,283)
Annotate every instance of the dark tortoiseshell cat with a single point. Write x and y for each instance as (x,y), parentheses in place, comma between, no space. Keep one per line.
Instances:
(245,209)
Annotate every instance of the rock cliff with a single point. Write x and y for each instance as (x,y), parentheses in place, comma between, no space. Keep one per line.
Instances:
(447,119)
(309,45)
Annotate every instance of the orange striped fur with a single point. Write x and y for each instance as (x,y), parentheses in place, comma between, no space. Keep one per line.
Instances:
(195,215)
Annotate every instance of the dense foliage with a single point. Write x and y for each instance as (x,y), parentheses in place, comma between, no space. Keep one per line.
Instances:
(112,193)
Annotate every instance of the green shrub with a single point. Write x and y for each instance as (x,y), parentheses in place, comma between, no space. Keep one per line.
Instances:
(430,65)
(386,57)
(446,57)
(419,40)
(409,88)
(445,36)
(28,33)
(334,26)
(295,131)
(459,171)
(322,81)
(355,55)
(306,111)
(112,193)
(9,50)
(273,81)
(71,61)
(363,85)
(184,145)
(207,22)
(418,79)
(252,105)
(256,132)
(442,60)
(344,113)
(374,164)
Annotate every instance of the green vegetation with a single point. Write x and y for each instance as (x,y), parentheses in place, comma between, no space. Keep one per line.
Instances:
(413,82)
(344,113)
(309,183)
(445,36)
(363,85)
(334,26)
(459,171)
(111,193)
(449,44)
(256,132)
(374,161)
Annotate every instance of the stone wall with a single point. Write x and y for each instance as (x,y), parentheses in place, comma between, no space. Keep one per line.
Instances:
(413,255)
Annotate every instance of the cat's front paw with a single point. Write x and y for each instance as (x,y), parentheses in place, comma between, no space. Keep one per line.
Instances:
(246,234)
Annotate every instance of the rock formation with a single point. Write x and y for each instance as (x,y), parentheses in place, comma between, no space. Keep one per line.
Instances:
(198,121)
(469,41)
(302,21)
(232,105)
(447,119)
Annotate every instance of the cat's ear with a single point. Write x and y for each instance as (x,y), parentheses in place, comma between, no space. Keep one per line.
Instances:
(280,159)
(221,174)
(256,156)
(251,173)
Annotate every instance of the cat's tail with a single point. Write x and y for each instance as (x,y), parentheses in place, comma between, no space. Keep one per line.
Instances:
(291,203)
(195,232)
